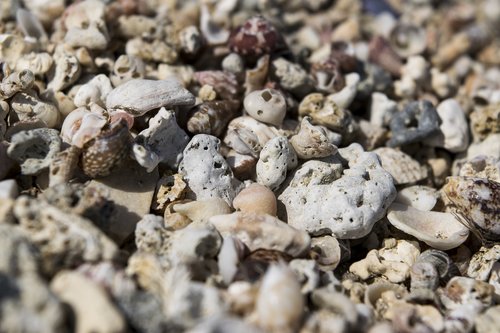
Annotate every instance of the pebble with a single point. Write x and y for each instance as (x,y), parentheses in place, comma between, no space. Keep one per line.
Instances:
(276,158)
(349,206)
(403,168)
(267,106)
(205,170)
(256,198)
(202,210)
(8,189)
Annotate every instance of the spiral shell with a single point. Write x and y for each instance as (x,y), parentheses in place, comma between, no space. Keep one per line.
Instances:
(101,154)
(212,117)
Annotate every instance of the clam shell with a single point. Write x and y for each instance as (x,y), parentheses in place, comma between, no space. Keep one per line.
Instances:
(139,96)
(402,167)
(439,230)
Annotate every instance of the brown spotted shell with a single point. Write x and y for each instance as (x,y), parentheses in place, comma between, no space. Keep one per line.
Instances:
(101,154)
(257,36)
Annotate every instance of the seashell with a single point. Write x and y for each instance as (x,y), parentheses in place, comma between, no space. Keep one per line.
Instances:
(475,200)
(424,280)
(481,264)
(439,230)
(415,123)
(28,104)
(268,106)
(63,166)
(327,76)
(417,318)
(37,63)
(243,166)
(488,321)
(344,97)
(256,78)
(423,198)
(408,40)
(169,188)
(256,198)
(485,120)
(233,63)
(443,84)
(47,11)
(202,210)
(311,141)
(94,91)
(131,26)
(324,111)
(212,117)
(375,292)
(213,33)
(292,77)
(462,318)
(66,71)
(190,39)
(81,126)
(248,136)
(275,159)
(105,151)
(16,82)
(225,84)
(31,26)
(262,231)
(326,251)
(416,68)
(12,47)
(256,37)
(231,252)
(279,286)
(382,54)
(254,266)
(402,167)
(34,149)
(126,68)
(461,290)
(139,96)
(445,267)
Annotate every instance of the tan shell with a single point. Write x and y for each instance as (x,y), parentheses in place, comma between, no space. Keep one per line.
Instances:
(311,141)
(403,168)
(256,198)
(324,111)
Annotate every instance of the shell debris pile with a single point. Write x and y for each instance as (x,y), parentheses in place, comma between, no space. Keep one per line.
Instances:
(301,166)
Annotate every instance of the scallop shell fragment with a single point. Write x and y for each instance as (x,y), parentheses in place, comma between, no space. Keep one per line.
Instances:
(139,96)
(439,230)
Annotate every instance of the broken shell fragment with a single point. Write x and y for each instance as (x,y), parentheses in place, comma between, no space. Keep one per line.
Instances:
(212,117)
(139,96)
(439,230)
(275,159)
(311,141)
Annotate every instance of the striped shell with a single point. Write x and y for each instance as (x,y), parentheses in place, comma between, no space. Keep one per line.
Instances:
(101,154)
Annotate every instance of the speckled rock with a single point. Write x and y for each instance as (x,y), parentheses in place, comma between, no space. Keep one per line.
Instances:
(262,231)
(292,77)
(34,149)
(64,240)
(482,167)
(268,106)
(349,206)
(26,303)
(205,170)
(454,130)
(485,121)
(482,262)
(276,158)
(403,168)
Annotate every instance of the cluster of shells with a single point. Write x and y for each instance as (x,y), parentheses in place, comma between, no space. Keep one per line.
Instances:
(307,166)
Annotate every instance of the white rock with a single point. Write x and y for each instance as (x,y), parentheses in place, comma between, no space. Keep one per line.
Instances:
(439,230)
(164,138)
(347,207)
(267,105)
(205,170)
(276,158)
(345,97)
(403,168)
(381,110)
(423,198)
(94,91)
(229,258)
(262,231)
(454,128)
(312,141)
(94,311)
(8,189)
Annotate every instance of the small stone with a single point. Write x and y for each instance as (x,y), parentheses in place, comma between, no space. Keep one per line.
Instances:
(275,159)
(489,321)
(205,170)
(256,198)
(292,77)
(8,189)
(485,121)
(312,141)
(202,210)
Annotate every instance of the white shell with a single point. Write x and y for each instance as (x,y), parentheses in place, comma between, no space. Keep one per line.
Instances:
(439,230)
(423,198)
(267,105)
(311,141)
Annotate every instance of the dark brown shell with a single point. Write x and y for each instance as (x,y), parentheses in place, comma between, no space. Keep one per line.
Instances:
(382,54)
(257,36)
(101,154)
(327,76)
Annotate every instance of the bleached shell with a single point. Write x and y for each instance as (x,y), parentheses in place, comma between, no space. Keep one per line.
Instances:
(202,210)
(328,251)
(262,231)
(423,198)
(268,106)
(482,167)
(403,168)
(279,304)
(439,230)
(27,104)
(324,111)
(66,71)
(94,91)
(311,141)
(256,198)
(139,96)
(37,63)
(81,126)
(462,290)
